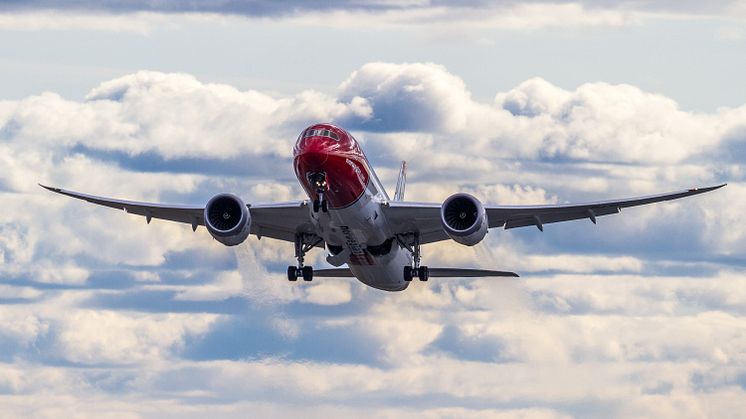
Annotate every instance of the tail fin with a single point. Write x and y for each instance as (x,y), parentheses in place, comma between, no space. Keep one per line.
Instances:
(401,183)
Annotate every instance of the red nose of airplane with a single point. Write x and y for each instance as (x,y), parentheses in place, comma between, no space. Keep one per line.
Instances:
(312,153)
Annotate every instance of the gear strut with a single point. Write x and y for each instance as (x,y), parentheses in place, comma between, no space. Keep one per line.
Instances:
(420,272)
(303,243)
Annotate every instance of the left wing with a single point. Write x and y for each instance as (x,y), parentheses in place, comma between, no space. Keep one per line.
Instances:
(278,221)
(424,218)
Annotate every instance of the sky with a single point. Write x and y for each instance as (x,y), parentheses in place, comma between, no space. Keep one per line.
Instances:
(641,315)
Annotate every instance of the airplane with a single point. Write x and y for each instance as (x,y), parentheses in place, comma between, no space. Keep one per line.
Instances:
(349,213)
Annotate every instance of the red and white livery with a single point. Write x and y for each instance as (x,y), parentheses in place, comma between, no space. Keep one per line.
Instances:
(349,213)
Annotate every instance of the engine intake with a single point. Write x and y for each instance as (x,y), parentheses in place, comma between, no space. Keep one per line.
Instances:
(227,219)
(464,219)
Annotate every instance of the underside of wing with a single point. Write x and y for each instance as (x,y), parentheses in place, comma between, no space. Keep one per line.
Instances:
(188,214)
(280,221)
(538,215)
(424,218)
(421,217)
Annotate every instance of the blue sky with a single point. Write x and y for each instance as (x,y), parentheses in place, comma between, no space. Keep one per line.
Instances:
(641,315)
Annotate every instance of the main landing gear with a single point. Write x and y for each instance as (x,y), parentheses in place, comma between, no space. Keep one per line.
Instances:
(421,272)
(318,181)
(303,243)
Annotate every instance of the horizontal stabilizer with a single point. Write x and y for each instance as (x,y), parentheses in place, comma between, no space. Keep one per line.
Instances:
(434,273)
(466,272)
(333,273)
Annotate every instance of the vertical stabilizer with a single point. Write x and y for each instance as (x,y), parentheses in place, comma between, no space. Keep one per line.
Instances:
(401,183)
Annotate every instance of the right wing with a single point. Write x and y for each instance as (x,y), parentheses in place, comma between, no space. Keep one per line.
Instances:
(512,216)
(280,221)
(424,218)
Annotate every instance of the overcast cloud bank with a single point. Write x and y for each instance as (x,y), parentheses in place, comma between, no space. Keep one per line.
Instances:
(453,17)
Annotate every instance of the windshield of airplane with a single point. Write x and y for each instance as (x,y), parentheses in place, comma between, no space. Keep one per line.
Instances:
(322,133)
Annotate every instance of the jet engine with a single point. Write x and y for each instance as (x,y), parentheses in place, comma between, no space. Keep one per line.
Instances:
(464,219)
(227,219)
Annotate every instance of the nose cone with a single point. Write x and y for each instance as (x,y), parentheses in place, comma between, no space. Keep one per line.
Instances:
(312,153)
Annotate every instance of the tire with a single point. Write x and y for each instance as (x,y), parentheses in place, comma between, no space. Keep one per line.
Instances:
(408,273)
(292,273)
(315,205)
(324,206)
(423,273)
(307,273)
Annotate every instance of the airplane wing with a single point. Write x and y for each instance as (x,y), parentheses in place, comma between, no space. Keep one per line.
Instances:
(424,218)
(278,221)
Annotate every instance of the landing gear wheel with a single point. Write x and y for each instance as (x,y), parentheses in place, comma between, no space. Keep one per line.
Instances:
(423,273)
(324,206)
(292,273)
(408,273)
(316,205)
(307,273)
(303,243)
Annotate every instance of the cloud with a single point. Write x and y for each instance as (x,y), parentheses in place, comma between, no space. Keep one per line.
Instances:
(636,316)
(433,98)
(147,16)
(94,337)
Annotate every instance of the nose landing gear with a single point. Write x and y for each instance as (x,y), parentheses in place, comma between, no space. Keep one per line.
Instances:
(318,181)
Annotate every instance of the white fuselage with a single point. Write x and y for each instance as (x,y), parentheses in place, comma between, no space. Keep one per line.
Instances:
(360,225)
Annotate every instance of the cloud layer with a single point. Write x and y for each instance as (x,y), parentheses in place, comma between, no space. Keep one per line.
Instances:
(451,17)
(102,314)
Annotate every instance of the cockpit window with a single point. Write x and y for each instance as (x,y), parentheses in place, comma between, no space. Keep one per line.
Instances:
(321,133)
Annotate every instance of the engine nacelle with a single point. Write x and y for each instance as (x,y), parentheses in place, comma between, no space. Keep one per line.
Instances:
(227,219)
(464,219)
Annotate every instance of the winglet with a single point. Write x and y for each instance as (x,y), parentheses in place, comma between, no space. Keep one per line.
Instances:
(50,188)
(708,189)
